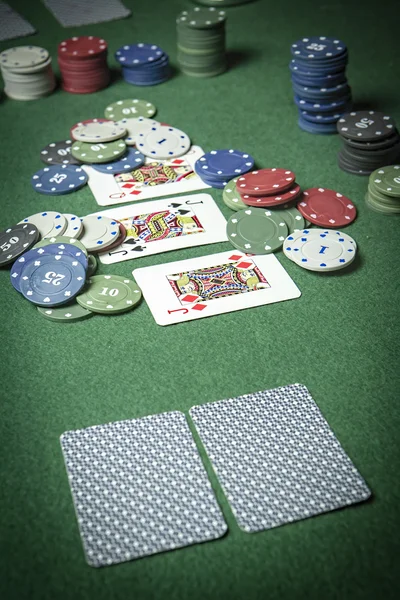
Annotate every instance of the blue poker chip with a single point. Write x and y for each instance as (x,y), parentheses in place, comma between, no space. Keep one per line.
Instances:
(338,92)
(56,180)
(139,54)
(52,279)
(319,128)
(319,117)
(328,81)
(318,48)
(342,105)
(312,69)
(38,253)
(131,161)
(224,164)
(215,183)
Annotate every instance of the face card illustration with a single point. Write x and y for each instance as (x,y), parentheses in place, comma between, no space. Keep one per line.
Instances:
(153,180)
(276,457)
(164,225)
(139,487)
(211,285)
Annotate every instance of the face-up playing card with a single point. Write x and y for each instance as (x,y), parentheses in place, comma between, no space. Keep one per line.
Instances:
(139,487)
(168,224)
(276,457)
(211,285)
(155,179)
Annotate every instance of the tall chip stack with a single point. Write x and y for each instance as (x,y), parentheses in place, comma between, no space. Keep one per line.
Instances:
(201,42)
(83,64)
(322,93)
(27,72)
(143,64)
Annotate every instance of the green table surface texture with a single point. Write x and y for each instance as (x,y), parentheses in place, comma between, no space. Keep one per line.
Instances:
(340,338)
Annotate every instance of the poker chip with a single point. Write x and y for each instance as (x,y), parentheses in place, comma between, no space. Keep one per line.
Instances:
(52,279)
(319,128)
(27,72)
(316,106)
(56,180)
(109,294)
(86,122)
(224,164)
(316,48)
(272,199)
(61,239)
(100,131)
(49,223)
(163,142)
(256,231)
(98,153)
(92,265)
(366,125)
(292,217)
(16,240)
(265,181)
(387,180)
(58,153)
(326,208)
(143,64)
(128,109)
(201,42)
(65,313)
(320,250)
(135,126)
(383,194)
(133,159)
(99,232)
(74,226)
(120,238)
(83,64)
(231,196)
(211,181)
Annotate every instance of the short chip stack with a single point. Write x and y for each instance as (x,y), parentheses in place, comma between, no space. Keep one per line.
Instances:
(201,42)
(143,64)
(322,93)
(27,72)
(218,167)
(370,140)
(83,64)
(268,187)
(383,193)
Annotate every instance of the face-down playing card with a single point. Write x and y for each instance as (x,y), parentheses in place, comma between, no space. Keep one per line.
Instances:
(139,487)
(276,457)
(210,285)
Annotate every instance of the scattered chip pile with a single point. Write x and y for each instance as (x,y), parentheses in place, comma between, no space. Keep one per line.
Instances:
(267,187)
(383,193)
(143,64)
(83,64)
(27,72)
(201,42)
(370,140)
(218,167)
(322,93)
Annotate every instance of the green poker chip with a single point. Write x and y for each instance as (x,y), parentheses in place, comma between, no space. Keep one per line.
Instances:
(130,109)
(65,313)
(387,180)
(202,18)
(256,231)
(98,153)
(380,207)
(61,240)
(92,265)
(231,196)
(109,294)
(293,219)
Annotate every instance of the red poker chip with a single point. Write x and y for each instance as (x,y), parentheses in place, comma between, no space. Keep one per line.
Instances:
(82,47)
(120,239)
(265,182)
(291,194)
(326,208)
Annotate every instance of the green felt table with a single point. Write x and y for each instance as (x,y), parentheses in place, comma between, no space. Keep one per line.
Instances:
(341,338)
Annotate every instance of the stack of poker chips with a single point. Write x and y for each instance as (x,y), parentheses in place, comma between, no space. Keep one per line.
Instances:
(27,72)
(218,167)
(143,64)
(370,140)
(201,42)
(267,187)
(383,193)
(83,64)
(322,93)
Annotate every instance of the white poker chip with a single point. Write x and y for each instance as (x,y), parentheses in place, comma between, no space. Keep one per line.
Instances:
(102,131)
(98,232)
(135,126)
(23,57)
(49,223)
(163,142)
(74,226)
(320,249)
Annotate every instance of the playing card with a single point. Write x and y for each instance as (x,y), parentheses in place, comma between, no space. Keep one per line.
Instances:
(276,457)
(139,487)
(70,13)
(12,25)
(211,285)
(154,179)
(164,225)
